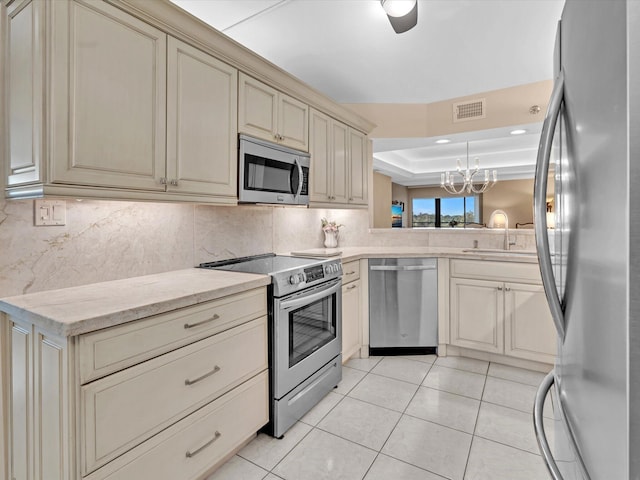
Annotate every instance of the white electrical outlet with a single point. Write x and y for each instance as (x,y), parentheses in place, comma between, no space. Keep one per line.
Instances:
(50,212)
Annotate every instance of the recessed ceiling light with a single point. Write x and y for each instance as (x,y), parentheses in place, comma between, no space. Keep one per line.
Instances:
(517,132)
(443,140)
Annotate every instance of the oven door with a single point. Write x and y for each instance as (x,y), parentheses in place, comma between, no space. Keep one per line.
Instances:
(307,334)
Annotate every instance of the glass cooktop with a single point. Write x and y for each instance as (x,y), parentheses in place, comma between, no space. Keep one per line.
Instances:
(266,264)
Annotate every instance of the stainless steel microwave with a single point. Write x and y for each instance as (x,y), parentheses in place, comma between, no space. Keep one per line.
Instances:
(271,173)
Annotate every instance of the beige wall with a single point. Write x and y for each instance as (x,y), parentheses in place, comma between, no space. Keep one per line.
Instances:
(504,107)
(381,201)
(515,197)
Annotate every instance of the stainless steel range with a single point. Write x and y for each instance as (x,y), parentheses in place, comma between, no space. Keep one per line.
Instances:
(305,331)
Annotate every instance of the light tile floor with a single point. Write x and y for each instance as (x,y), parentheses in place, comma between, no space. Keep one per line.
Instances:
(408,418)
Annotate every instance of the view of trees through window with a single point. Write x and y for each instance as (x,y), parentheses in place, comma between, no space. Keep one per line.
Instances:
(445,212)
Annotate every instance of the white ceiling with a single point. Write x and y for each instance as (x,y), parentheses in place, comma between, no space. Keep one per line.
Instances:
(348,50)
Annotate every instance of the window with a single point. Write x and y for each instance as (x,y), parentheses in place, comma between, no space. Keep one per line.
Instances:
(424,212)
(446,212)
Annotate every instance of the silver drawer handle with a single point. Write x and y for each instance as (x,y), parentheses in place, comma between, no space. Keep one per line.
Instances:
(216,436)
(350,273)
(188,382)
(351,287)
(197,324)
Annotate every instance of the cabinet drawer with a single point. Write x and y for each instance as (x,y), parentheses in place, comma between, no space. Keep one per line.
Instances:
(350,271)
(207,435)
(113,349)
(501,271)
(124,409)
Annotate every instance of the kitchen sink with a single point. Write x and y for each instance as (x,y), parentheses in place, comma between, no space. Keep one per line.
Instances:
(494,251)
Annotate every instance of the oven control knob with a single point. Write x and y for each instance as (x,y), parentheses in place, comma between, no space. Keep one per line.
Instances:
(293,279)
(301,278)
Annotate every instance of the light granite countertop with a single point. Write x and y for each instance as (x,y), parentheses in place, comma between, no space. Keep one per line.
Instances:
(72,311)
(76,310)
(347,254)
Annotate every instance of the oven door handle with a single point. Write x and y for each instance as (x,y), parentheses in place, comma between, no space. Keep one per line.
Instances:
(308,299)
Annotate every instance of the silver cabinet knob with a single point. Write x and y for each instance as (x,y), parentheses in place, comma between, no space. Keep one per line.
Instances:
(163,181)
(174,182)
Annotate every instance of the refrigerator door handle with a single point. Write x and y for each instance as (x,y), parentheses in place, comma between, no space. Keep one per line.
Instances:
(540,204)
(538,425)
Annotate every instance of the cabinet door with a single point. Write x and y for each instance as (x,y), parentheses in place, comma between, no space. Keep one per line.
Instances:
(23,144)
(108,94)
(20,403)
(293,123)
(340,164)
(51,409)
(477,311)
(529,329)
(257,109)
(350,319)
(320,148)
(201,122)
(358,177)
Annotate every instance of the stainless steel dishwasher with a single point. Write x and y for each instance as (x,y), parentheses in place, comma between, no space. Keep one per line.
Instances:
(403,306)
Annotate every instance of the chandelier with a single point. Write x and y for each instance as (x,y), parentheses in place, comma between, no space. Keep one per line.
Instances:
(470,179)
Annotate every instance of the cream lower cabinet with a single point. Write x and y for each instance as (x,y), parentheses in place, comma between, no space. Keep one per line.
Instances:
(500,317)
(339,163)
(351,310)
(39,403)
(266,113)
(165,397)
(132,113)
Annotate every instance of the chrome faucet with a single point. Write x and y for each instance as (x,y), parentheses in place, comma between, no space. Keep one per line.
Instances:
(497,216)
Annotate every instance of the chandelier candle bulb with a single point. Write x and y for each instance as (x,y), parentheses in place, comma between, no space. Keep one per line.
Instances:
(467,177)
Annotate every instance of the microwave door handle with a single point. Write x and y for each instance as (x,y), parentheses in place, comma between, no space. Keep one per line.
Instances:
(300,177)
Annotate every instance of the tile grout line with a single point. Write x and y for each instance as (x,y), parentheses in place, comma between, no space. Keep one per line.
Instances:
(473,435)
(402,414)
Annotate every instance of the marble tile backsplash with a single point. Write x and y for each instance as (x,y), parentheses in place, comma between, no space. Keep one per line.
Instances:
(108,240)
(101,241)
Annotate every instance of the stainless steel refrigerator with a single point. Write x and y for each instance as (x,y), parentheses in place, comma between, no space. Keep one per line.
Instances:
(590,260)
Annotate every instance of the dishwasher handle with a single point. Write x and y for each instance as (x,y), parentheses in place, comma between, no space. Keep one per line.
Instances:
(404,268)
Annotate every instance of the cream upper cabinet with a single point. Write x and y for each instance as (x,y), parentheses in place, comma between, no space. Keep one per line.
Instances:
(266,113)
(134,113)
(358,172)
(500,307)
(339,163)
(108,73)
(24,79)
(201,122)
(339,166)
